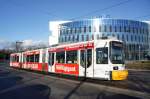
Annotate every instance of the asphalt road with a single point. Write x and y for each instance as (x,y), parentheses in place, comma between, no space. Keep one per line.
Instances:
(20,84)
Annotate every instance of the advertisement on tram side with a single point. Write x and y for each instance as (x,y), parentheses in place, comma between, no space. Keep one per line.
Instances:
(72,69)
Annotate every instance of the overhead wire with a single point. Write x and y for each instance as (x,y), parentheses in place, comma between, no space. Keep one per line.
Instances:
(103,9)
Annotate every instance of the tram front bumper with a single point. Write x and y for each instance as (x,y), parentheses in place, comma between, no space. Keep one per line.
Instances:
(119,74)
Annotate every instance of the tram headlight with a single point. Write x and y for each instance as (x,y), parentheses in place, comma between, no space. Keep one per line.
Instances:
(115,68)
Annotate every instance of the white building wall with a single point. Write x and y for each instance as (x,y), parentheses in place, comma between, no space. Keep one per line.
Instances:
(149,34)
(54,30)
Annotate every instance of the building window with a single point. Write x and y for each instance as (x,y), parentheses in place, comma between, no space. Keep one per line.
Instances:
(120,29)
(87,37)
(131,38)
(69,38)
(100,29)
(141,30)
(103,35)
(105,28)
(89,28)
(71,30)
(113,35)
(110,28)
(65,38)
(137,30)
(135,37)
(133,30)
(97,36)
(77,37)
(128,29)
(127,37)
(123,37)
(115,29)
(118,36)
(124,28)
(73,38)
(85,29)
(82,38)
(60,32)
(92,36)
(75,30)
(82,30)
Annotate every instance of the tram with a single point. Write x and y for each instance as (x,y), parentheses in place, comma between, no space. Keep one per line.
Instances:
(98,59)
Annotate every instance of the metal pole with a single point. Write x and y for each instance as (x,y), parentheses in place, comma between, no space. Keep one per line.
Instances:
(139,52)
(85,61)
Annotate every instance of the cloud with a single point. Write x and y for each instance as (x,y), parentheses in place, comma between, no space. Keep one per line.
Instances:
(11,45)
(4,44)
(27,43)
(30,42)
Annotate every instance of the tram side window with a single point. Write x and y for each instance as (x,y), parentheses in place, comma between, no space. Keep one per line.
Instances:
(60,57)
(15,58)
(24,58)
(82,58)
(51,59)
(12,58)
(32,58)
(102,55)
(28,58)
(89,57)
(36,58)
(71,57)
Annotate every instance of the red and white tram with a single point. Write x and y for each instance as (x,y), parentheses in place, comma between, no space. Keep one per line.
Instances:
(15,60)
(99,59)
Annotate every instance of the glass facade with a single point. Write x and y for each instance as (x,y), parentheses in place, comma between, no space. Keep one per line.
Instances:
(134,33)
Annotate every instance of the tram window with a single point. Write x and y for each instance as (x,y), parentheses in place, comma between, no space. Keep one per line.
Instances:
(71,57)
(32,58)
(13,58)
(36,58)
(51,59)
(28,58)
(82,58)
(24,58)
(43,57)
(17,59)
(102,55)
(89,57)
(60,57)
(86,58)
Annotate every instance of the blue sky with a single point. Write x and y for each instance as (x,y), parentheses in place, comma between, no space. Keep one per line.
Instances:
(28,19)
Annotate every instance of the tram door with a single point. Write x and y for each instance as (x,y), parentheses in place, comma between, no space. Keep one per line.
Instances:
(51,62)
(86,62)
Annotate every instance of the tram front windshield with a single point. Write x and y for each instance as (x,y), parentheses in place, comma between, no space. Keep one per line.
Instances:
(116,52)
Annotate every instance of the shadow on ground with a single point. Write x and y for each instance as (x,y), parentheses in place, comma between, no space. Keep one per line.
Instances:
(7,82)
(38,91)
(116,96)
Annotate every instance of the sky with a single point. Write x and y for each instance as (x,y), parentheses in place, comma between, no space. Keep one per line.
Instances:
(22,20)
